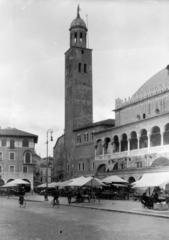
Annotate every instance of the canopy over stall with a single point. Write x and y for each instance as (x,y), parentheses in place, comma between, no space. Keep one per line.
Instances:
(152,180)
(85,181)
(16,182)
(114,179)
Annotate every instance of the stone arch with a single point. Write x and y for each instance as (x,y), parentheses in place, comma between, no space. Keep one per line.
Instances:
(160,162)
(124,143)
(115,143)
(115,166)
(155,137)
(106,145)
(9,180)
(143,139)
(101,168)
(99,147)
(133,140)
(166,134)
(27,155)
(131,179)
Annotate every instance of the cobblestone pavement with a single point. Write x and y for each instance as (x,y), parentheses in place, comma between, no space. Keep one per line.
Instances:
(126,206)
(38,221)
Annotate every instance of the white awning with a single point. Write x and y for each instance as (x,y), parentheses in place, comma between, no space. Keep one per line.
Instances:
(113,179)
(152,180)
(16,182)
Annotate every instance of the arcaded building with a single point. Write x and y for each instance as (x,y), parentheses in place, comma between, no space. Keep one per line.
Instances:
(136,142)
(139,141)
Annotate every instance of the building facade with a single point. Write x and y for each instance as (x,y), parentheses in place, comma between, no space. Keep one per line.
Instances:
(135,142)
(139,141)
(74,151)
(17,154)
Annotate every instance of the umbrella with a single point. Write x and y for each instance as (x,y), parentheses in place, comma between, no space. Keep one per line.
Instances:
(114,179)
(93,182)
(77,182)
(54,184)
(16,182)
(43,185)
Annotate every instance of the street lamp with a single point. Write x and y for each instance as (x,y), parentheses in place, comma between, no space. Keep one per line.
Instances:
(48,133)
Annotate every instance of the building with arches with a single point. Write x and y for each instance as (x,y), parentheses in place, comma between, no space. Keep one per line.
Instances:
(135,142)
(139,141)
(17,155)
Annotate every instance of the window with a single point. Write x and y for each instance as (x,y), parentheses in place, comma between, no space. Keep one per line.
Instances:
(12,144)
(92,135)
(75,37)
(12,169)
(79,140)
(1,156)
(3,142)
(25,169)
(83,166)
(139,164)
(0,169)
(79,166)
(85,68)
(25,143)
(86,137)
(81,36)
(144,115)
(67,167)
(93,165)
(79,67)
(11,156)
(27,158)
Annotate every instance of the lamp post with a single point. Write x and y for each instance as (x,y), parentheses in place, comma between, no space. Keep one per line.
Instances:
(49,132)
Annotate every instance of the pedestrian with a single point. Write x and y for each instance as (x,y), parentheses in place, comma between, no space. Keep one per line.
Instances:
(55,197)
(69,196)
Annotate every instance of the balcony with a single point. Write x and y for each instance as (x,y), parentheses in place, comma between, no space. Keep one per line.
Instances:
(131,153)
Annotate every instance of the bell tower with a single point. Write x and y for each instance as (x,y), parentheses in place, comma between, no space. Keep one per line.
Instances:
(78,78)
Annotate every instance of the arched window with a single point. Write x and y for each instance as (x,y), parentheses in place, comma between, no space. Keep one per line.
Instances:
(143,139)
(75,37)
(99,147)
(106,145)
(28,158)
(133,141)
(115,144)
(155,138)
(81,36)
(124,143)
(166,134)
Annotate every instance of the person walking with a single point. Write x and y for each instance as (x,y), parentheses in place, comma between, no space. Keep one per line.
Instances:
(56,197)
(69,196)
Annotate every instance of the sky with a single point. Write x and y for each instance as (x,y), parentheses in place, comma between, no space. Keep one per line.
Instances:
(130,42)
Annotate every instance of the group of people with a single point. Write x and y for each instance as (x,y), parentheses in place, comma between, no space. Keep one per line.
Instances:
(148,201)
(77,195)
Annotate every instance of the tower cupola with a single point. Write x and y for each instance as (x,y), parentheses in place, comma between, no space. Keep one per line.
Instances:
(78,31)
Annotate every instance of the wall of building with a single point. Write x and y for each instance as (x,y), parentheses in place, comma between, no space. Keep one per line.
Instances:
(147,108)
